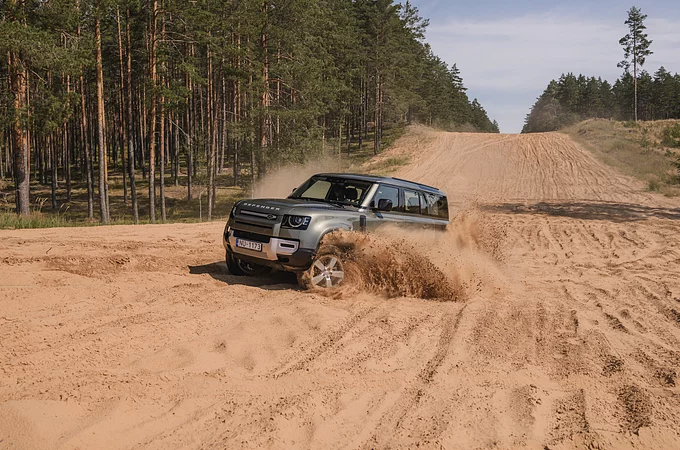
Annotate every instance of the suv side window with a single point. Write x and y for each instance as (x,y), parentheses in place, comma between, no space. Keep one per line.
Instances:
(432,202)
(443,207)
(423,204)
(389,193)
(411,202)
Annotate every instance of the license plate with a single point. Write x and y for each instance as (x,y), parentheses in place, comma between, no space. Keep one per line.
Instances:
(250,245)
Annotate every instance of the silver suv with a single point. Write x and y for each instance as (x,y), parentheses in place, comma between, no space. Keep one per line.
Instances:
(287,234)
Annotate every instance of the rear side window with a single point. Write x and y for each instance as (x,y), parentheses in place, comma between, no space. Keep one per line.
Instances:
(442,207)
(411,202)
(423,204)
(388,193)
(436,206)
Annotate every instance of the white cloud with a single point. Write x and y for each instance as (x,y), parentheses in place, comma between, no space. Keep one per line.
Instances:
(507,62)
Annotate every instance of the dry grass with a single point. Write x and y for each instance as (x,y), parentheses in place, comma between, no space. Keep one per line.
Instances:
(74,213)
(633,149)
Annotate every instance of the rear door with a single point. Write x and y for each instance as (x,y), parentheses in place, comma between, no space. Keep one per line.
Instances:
(414,210)
(436,207)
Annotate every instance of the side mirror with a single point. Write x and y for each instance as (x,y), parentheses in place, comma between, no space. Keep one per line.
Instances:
(384,204)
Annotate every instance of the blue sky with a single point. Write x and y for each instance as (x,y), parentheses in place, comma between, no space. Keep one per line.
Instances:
(508,51)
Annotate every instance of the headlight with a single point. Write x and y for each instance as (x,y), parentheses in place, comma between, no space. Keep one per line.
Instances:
(233,211)
(296,222)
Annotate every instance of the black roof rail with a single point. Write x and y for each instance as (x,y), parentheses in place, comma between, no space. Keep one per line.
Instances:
(414,182)
(377,178)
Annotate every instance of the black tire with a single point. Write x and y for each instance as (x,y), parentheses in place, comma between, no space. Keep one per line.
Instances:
(242,268)
(326,272)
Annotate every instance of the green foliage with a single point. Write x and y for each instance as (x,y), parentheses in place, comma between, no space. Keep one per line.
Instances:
(676,163)
(12,221)
(654,185)
(260,83)
(670,136)
(636,43)
(571,99)
(326,53)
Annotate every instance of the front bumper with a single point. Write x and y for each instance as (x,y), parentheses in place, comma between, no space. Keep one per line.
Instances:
(283,254)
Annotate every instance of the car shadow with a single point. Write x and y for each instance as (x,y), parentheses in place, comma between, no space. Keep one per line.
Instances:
(276,281)
(612,211)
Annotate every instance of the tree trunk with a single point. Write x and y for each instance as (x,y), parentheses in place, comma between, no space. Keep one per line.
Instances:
(130,129)
(88,151)
(161,131)
(121,107)
(348,135)
(51,148)
(161,149)
(323,135)
(211,137)
(101,125)
(237,112)
(152,114)
(176,147)
(20,144)
(67,148)
(265,101)
(635,95)
(188,136)
(378,114)
(223,141)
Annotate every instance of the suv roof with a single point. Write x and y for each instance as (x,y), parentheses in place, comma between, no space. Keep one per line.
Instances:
(390,180)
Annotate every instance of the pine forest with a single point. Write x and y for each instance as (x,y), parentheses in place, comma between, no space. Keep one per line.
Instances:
(158,93)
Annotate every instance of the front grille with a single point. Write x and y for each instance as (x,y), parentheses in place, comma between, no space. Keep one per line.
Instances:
(251,236)
(256,225)
(268,216)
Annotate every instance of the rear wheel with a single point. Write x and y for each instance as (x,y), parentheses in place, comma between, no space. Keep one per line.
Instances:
(326,272)
(240,267)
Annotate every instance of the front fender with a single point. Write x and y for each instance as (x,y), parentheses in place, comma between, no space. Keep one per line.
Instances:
(343,227)
(314,235)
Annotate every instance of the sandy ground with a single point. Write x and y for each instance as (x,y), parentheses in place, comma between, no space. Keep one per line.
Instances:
(566,333)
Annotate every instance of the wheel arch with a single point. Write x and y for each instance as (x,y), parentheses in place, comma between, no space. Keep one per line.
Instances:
(339,227)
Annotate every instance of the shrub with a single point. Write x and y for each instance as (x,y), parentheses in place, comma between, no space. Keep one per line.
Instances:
(671,136)
(654,185)
(645,140)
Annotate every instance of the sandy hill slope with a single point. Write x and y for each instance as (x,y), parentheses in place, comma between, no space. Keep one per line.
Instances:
(533,168)
(563,331)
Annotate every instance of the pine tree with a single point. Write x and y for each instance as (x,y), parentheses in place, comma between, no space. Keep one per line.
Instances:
(635,48)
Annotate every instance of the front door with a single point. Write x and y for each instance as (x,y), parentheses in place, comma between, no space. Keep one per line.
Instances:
(376,218)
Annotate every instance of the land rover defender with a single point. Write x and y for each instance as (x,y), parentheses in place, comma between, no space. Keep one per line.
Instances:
(286,234)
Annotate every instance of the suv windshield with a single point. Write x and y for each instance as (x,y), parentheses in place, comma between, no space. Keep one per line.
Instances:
(333,190)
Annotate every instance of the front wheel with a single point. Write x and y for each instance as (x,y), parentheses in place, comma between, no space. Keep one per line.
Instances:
(241,268)
(327,271)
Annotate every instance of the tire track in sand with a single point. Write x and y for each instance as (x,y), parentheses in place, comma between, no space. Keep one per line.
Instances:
(307,353)
(407,402)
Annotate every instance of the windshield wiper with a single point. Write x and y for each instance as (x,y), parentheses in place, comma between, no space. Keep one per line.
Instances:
(322,200)
(337,203)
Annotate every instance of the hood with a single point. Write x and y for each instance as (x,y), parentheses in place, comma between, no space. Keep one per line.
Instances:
(265,215)
(268,211)
(278,206)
